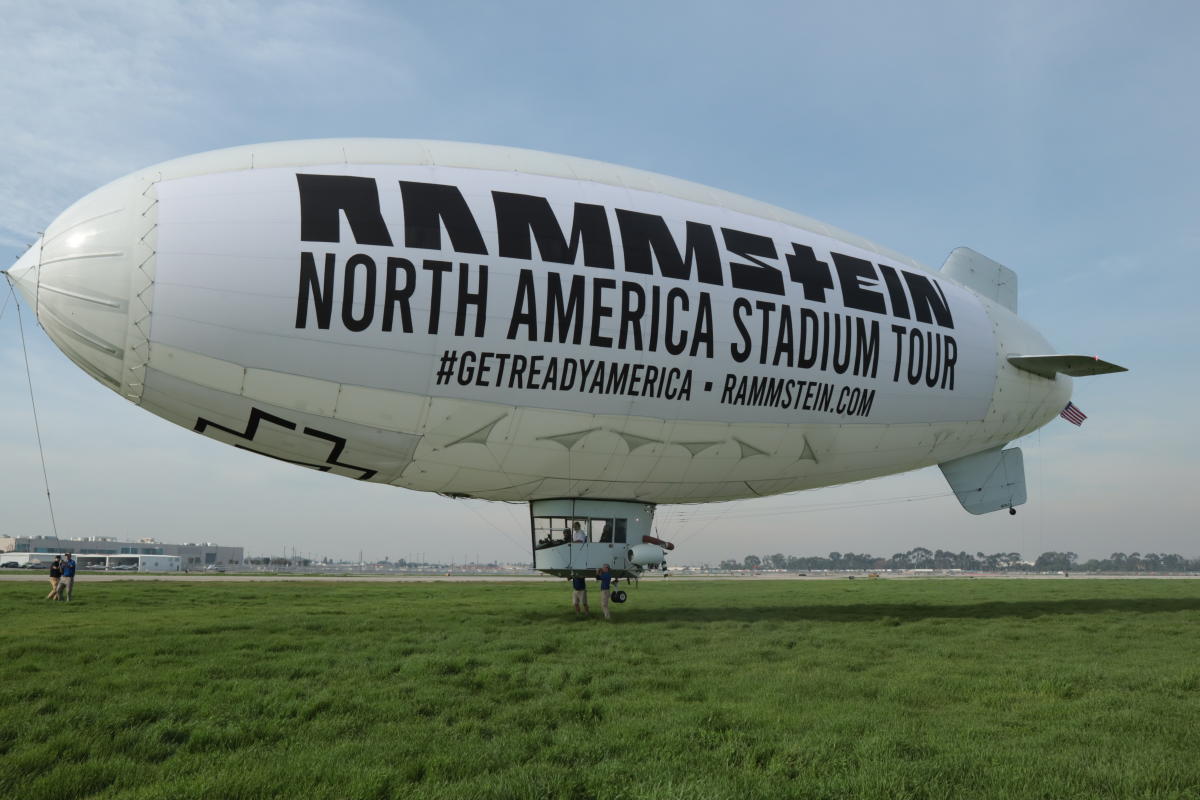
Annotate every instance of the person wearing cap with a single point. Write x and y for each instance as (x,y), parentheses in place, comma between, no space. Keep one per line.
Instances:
(67,583)
(55,577)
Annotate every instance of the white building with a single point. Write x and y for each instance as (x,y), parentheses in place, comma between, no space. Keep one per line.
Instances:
(94,563)
(192,555)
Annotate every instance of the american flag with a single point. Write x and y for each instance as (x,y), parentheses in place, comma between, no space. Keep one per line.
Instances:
(1072,414)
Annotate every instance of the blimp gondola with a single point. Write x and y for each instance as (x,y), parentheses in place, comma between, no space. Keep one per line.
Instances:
(497,323)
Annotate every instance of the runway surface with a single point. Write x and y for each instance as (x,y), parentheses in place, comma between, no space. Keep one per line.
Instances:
(39,576)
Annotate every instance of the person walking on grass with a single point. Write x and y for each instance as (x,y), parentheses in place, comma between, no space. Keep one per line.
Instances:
(579,596)
(55,577)
(604,575)
(67,583)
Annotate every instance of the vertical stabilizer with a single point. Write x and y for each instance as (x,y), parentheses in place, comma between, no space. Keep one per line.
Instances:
(986,277)
(987,481)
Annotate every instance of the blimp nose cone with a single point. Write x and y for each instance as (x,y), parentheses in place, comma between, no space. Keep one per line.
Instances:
(79,280)
(24,274)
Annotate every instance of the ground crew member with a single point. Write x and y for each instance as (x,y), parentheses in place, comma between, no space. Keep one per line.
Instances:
(579,595)
(55,577)
(604,575)
(67,584)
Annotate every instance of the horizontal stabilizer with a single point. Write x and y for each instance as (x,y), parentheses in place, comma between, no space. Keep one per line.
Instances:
(982,275)
(1074,366)
(987,481)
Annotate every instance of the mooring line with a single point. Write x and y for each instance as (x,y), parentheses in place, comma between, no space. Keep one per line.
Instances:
(36,427)
(465,504)
(12,294)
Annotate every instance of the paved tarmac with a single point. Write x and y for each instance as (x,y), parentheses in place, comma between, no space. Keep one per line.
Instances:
(97,577)
(31,575)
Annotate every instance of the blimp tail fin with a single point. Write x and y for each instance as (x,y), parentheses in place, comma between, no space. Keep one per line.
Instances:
(986,277)
(987,481)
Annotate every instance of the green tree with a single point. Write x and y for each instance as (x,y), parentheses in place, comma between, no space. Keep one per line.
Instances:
(920,558)
(1054,561)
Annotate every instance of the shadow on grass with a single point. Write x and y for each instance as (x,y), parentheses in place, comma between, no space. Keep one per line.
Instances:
(896,612)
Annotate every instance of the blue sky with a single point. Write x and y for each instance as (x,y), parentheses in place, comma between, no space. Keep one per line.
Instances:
(1059,139)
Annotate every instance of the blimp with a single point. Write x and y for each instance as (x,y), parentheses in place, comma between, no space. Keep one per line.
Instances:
(498,323)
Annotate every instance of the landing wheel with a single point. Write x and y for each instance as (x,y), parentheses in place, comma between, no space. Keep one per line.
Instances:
(618,596)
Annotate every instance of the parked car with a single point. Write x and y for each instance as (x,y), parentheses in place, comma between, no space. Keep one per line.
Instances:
(9,565)
(35,565)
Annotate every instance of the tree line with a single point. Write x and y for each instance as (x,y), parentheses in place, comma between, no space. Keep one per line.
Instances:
(924,558)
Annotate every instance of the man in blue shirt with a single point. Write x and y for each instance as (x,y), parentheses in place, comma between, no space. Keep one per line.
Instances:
(579,595)
(604,575)
(68,577)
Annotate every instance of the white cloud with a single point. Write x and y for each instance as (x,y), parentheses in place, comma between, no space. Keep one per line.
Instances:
(96,90)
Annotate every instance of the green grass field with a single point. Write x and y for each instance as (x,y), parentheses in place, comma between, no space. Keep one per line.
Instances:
(699,689)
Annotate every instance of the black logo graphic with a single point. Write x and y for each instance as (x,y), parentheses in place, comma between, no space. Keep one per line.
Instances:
(257,416)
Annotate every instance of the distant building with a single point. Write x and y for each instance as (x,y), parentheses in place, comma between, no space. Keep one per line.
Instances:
(192,555)
(88,563)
